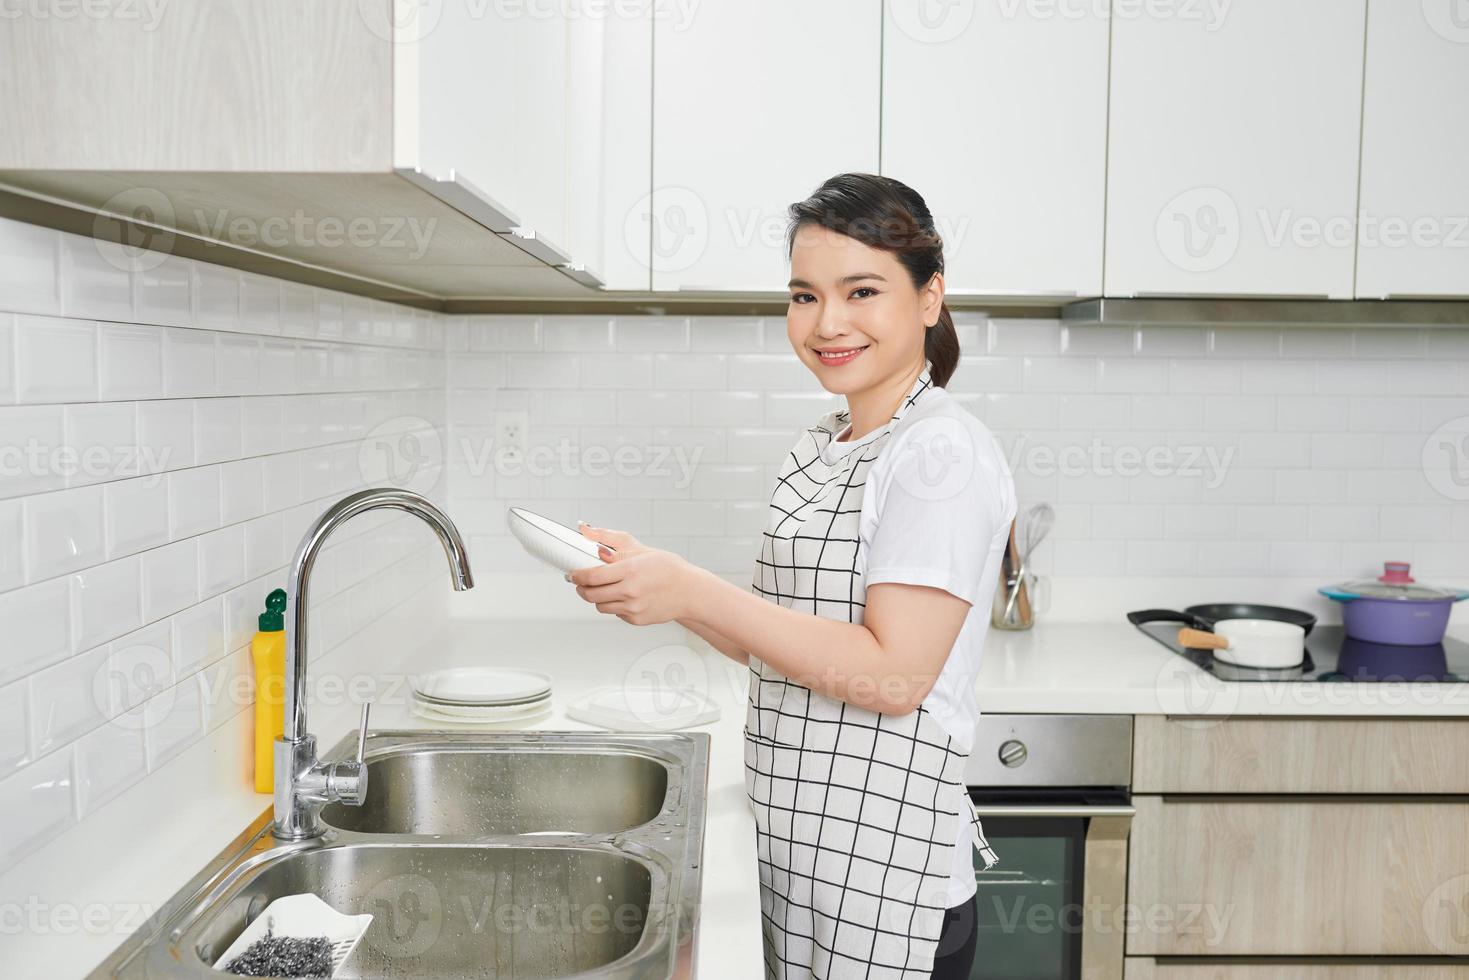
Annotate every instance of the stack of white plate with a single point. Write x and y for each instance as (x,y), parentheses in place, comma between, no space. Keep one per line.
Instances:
(482,695)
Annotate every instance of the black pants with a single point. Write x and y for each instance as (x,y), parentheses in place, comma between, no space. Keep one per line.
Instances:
(954,958)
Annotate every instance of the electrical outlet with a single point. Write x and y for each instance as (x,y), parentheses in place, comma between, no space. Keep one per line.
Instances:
(511,433)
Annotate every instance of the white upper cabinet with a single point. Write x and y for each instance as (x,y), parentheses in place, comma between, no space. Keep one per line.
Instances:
(997,114)
(755,103)
(1412,234)
(1232,161)
(490,105)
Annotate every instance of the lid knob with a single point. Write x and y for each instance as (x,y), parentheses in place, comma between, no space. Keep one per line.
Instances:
(1395,572)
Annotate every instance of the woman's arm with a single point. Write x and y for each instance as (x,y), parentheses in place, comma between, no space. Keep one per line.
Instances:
(888,663)
(717,640)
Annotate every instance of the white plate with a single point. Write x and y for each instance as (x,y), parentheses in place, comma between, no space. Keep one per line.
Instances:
(643,709)
(482,686)
(559,546)
(481,716)
(302,916)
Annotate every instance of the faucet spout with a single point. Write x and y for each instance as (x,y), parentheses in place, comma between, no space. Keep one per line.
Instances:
(298,783)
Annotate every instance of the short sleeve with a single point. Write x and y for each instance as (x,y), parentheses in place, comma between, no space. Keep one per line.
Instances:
(944,495)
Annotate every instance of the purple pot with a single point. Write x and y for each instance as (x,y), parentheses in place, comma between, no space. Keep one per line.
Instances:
(1394,609)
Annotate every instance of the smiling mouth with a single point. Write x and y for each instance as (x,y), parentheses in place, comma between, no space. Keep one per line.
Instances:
(840,357)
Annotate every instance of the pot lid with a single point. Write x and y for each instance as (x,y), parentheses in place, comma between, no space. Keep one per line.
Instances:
(1393,583)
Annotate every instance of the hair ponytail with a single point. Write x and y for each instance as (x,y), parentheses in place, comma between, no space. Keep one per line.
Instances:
(885,213)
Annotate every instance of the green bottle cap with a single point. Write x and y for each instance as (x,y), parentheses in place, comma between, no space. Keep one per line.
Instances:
(273,620)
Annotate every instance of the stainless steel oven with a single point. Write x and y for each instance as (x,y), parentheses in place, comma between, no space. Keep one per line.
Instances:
(1053,794)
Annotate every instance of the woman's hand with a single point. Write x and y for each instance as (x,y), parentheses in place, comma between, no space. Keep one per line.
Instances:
(639,585)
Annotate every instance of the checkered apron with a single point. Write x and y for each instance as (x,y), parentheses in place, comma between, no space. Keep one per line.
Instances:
(856,812)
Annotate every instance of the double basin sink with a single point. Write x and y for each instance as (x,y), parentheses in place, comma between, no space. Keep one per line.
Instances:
(524,854)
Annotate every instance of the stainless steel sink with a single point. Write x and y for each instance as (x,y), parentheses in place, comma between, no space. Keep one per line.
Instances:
(541,854)
(454,790)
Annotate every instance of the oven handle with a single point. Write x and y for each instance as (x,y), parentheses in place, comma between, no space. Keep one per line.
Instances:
(1042,810)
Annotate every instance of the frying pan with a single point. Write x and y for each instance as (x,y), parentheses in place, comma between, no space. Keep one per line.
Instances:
(1204,616)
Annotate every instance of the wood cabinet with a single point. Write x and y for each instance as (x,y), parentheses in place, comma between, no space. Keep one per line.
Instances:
(1232,159)
(1300,755)
(997,115)
(1413,239)
(1299,877)
(754,105)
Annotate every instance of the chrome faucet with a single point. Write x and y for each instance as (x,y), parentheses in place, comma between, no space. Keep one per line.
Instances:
(303,785)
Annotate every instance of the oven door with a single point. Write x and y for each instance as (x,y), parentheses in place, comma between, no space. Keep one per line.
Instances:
(1052,908)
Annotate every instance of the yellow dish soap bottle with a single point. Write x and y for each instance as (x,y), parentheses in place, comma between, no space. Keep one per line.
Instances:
(268,654)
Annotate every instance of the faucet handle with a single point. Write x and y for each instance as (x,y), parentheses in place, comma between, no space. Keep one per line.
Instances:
(362,731)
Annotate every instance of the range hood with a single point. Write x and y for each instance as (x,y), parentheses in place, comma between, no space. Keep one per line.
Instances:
(1270,312)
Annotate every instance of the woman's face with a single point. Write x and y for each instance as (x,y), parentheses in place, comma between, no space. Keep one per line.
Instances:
(847,296)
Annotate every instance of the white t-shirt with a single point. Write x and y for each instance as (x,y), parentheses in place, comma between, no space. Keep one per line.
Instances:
(936,511)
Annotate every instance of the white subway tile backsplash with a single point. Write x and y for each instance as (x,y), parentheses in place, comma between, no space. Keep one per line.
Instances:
(129,361)
(55,359)
(68,700)
(7,358)
(194,501)
(216,296)
(96,280)
(109,760)
(170,578)
(163,291)
(37,804)
(165,435)
(63,532)
(104,439)
(146,468)
(106,602)
(135,515)
(189,368)
(30,259)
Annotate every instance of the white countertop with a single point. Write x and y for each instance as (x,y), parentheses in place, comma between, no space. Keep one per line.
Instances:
(1106,668)
(1114,668)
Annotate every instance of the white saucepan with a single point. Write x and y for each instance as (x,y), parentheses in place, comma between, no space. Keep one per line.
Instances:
(1250,642)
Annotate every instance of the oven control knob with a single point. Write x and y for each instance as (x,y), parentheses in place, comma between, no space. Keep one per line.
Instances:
(1012,752)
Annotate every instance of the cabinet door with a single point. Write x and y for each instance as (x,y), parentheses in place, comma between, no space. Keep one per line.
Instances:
(1298,877)
(755,103)
(1233,142)
(997,115)
(1413,239)
(490,104)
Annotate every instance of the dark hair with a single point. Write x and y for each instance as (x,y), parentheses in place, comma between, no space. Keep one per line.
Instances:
(884,213)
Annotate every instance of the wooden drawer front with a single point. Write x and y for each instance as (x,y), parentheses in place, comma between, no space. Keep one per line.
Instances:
(1300,755)
(1325,877)
(1142,968)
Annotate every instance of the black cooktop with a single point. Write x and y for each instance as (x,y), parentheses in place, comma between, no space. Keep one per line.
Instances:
(1333,656)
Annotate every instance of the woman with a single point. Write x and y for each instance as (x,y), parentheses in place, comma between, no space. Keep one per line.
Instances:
(868,610)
